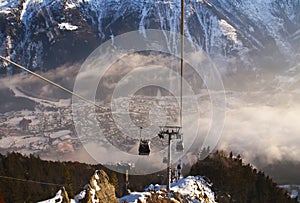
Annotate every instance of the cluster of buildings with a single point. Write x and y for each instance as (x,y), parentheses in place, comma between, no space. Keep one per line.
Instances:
(37,131)
(55,128)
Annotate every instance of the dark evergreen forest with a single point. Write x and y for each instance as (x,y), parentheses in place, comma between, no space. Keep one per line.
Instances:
(30,179)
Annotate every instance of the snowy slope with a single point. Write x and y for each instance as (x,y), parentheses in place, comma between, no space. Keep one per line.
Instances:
(192,189)
(57,199)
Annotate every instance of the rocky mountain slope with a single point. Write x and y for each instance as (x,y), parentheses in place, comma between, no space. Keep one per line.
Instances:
(43,34)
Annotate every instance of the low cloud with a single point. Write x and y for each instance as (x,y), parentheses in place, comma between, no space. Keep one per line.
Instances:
(261,131)
(64,76)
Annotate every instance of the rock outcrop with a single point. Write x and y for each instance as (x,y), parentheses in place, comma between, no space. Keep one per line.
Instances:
(99,190)
(189,189)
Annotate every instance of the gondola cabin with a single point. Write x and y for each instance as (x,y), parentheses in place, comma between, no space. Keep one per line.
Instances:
(144,148)
(179,146)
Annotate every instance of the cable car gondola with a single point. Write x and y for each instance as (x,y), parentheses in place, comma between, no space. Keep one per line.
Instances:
(144,148)
(179,146)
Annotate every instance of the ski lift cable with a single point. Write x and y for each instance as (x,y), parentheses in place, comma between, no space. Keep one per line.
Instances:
(50,81)
(63,186)
(31,181)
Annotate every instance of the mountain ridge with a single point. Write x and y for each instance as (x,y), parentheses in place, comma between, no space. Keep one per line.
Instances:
(236,34)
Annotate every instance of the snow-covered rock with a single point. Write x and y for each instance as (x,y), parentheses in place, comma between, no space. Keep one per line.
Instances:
(99,190)
(190,189)
(67,26)
(60,197)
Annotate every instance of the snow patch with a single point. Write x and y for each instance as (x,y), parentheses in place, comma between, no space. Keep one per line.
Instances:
(229,31)
(57,199)
(142,23)
(21,141)
(96,185)
(70,5)
(7,5)
(80,196)
(67,26)
(23,12)
(60,103)
(60,134)
(93,198)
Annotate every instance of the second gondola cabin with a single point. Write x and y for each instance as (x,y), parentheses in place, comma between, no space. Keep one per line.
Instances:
(179,146)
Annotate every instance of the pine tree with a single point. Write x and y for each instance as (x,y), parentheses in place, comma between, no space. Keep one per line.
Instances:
(69,184)
(114,180)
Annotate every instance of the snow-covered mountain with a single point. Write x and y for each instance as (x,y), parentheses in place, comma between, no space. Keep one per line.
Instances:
(190,189)
(43,34)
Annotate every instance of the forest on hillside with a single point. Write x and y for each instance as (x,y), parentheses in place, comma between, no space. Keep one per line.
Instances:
(235,181)
(30,179)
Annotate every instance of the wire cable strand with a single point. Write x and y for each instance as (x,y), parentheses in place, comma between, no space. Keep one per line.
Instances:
(31,181)
(49,81)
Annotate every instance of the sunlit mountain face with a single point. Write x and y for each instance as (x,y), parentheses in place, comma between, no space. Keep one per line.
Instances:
(238,34)
(253,44)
